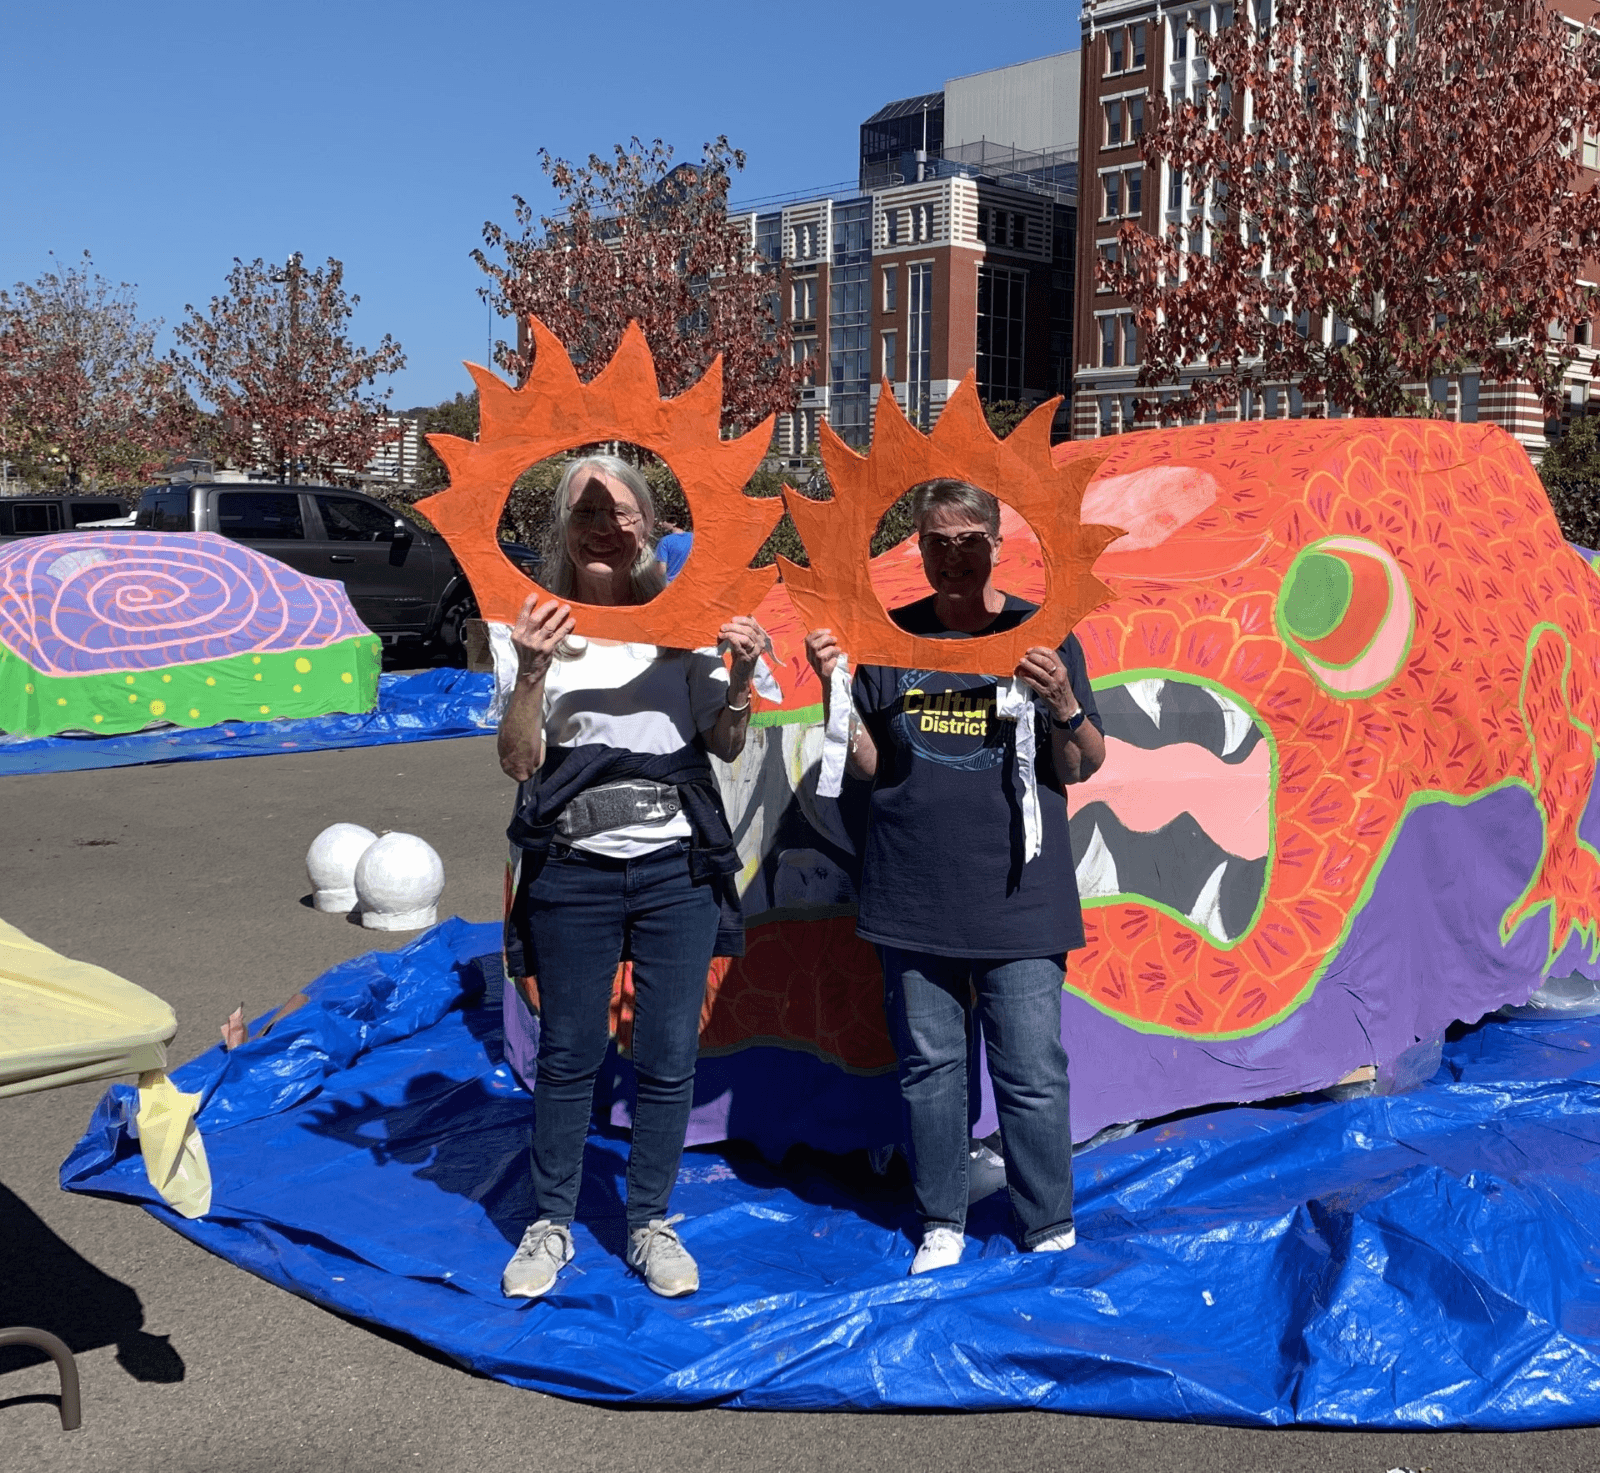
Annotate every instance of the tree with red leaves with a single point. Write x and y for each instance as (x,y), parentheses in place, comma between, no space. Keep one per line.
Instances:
(1378,193)
(83,398)
(290,390)
(638,239)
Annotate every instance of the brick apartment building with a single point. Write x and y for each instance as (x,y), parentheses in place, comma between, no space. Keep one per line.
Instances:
(956,253)
(1133,51)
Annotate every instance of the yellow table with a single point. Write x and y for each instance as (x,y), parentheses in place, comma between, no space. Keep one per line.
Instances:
(66,1022)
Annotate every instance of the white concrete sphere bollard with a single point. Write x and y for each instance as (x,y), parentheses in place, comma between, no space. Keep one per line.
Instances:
(398,882)
(331,865)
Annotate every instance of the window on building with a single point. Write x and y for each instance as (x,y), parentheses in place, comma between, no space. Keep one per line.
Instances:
(1130,339)
(769,238)
(1111,185)
(1469,398)
(890,355)
(1135,117)
(922,222)
(805,299)
(891,288)
(1136,46)
(1108,341)
(891,226)
(1108,415)
(1002,311)
(1175,189)
(919,349)
(1582,335)
(1109,254)
(805,242)
(1116,49)
(1224,17)
(1134,187)
(1224,100)
(804,352)
(1113,124)
(1591,151)
(1180,37)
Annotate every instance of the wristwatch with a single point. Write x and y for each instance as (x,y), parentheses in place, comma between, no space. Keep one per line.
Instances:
(1073,722)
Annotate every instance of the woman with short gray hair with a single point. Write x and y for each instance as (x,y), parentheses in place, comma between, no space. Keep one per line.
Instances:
(967,918)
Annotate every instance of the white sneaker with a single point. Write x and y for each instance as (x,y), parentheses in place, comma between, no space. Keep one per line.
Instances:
(941,1248)
(658,1256)
(544,1251)
(1058,1242)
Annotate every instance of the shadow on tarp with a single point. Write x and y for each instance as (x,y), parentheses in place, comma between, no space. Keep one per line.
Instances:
(421,706)
(1427,1260)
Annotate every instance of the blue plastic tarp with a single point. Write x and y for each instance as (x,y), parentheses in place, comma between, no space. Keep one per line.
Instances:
(1424,1260)
(421,706)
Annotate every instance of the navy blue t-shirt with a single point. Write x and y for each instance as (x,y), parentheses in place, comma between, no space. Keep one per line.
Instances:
(943,870)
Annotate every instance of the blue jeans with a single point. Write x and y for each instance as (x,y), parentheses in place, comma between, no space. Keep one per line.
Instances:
(585,913)
(928,999)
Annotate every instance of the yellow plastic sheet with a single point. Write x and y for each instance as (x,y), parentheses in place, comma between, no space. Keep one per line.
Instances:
(66,1022)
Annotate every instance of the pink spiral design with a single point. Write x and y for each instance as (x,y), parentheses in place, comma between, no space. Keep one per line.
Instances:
(87,602)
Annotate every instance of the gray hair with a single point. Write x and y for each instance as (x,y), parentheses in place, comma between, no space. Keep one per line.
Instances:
(647,577)
(977,503)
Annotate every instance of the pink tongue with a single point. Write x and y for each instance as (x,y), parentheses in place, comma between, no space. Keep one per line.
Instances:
(1148,789)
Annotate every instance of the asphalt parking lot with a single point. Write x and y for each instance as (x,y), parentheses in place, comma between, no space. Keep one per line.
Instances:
(188,879)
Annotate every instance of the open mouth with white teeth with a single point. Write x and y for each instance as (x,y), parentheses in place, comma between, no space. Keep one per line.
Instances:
(1181,815)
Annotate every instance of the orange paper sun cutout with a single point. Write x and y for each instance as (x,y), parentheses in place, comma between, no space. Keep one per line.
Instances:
(836,592)
(555,411)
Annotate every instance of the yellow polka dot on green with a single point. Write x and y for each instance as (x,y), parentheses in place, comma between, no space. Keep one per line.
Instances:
(211,680)
(297,690)
(265,709)
(128,678)
(157,707)
(166,680)
(258,675)
(132,698)
(194,711)
(255,659)
(98,718)
(303,665)
(61,700)
(348,678)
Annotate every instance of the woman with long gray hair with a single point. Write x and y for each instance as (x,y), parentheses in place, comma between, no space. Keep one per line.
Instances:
(624,852)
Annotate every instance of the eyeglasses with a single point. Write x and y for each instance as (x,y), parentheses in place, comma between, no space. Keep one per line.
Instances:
(586,516)
(938,544)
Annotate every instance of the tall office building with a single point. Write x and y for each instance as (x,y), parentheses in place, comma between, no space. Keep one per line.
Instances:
(956,255)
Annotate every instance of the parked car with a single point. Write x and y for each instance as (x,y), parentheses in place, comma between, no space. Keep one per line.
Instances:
(37,515)
(399,576)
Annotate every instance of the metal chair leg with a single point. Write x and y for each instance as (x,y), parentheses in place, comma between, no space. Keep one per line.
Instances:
(71,1407)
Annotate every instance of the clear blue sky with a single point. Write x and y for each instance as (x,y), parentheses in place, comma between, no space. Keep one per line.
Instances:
(169,137)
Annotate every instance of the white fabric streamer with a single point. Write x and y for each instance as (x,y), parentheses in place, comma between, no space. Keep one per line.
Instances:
(504,654)
(765,682)
(1015,703)
(836,735)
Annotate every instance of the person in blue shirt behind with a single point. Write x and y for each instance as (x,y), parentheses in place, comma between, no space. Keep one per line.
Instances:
(672,547)
(962,917)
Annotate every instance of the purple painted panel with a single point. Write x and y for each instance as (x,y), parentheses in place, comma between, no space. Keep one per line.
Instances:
(82,603)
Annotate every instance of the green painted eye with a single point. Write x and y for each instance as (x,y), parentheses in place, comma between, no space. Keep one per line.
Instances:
(1316,595)
(1346,611)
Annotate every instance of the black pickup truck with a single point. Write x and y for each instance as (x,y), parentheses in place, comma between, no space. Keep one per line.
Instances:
(400,577)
